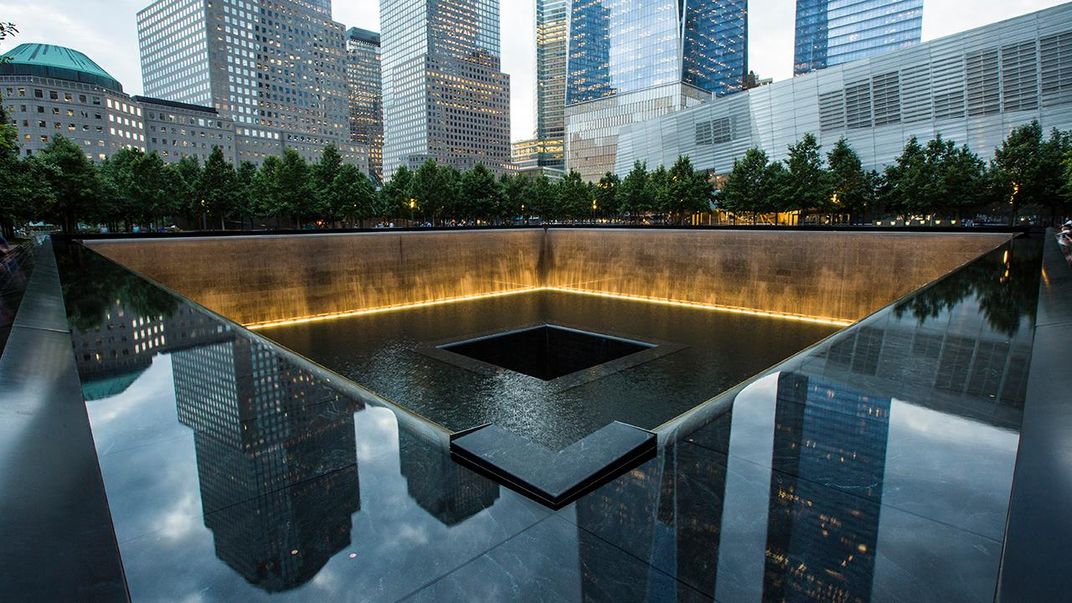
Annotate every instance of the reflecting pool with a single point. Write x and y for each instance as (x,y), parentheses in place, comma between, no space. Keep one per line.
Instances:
(877,465)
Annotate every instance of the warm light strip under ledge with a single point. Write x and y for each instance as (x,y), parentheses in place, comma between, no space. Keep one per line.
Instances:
(835,322)
(383,309)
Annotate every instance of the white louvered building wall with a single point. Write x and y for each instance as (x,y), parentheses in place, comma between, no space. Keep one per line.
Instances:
(973,88)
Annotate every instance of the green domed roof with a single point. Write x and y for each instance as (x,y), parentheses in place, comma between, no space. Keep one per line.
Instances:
(46,60)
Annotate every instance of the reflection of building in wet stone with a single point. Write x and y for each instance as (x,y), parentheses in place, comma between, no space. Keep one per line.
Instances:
(820,541)
(127,338)
(448,491)
(276,460)
(668,510)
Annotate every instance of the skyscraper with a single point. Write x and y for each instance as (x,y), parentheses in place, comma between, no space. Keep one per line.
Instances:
(832,32)
(273,66)
(366,96)
(552,43)
(444,97)
(633,60)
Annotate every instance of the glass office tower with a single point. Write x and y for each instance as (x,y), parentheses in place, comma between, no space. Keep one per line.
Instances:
(276,67)
(633,60)
(444,96)
(366,97)
(832,32)
(552,21)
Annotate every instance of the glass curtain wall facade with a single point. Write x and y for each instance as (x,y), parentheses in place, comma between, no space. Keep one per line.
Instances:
(273,66)
(832,32)
(366,96)
(444,96)
(552,21)
(633,60)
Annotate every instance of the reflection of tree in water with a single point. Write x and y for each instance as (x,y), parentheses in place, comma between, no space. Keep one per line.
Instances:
(91,284)
(1005,281)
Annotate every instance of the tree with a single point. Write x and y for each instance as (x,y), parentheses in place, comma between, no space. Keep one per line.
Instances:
(1026,170)
(957,178)
(322,176)
(267,193)
(219,188)
(659,185)
(294,192)
(752,186)
(541,199)
(14,178)
(850,186)
(479,193)
(690,191)
(117,182)
(395,193)
(512,202)
(426,191)
(246,187)
(153,191)
(806,185)
(186,180)
(353,198)
(574,197)
(606,194)
(905,187)
(635,194)
(73,181)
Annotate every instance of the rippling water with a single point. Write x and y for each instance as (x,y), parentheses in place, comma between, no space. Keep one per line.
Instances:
(385,352)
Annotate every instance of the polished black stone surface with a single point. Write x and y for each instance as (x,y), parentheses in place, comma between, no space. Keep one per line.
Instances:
(16,264)
(876,466)
(554,478)
(1039,527)
(59,544)
(546,352)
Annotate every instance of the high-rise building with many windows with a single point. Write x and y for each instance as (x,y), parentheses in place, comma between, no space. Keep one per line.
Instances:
(273,66)
(832,32)
(366,96)
(634,60)
(52,91)
(444,96)
(552,45)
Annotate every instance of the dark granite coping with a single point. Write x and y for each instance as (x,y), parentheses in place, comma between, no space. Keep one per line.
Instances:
(553,478)
(59,541)
(655,348)
(534,226)
(1034,563)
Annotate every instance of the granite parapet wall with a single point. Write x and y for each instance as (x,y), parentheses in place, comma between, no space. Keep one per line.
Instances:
(841,276)
(260,279)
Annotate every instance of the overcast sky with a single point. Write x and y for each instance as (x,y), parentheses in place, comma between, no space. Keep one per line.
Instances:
(106,31)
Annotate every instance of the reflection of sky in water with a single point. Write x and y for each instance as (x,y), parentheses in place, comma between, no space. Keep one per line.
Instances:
(170,555)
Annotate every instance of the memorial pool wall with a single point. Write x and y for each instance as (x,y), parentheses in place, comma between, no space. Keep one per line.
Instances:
(836,277)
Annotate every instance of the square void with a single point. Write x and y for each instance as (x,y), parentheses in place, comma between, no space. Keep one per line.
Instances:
(548,351)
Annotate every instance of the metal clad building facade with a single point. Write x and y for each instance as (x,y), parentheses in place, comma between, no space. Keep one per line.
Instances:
(973,88)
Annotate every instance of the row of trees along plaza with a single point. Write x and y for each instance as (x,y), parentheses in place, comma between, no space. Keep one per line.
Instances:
(1030,174)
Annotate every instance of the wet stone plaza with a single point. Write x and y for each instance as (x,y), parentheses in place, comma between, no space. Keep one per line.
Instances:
(533,437)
